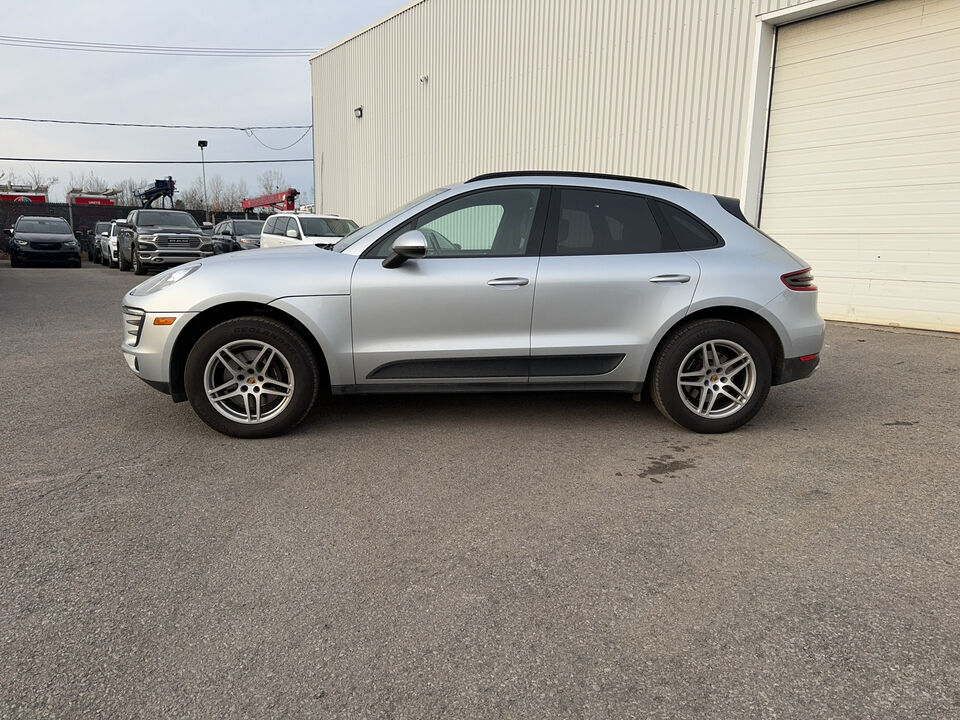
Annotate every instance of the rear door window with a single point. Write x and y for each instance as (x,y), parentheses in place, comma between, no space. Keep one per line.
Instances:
(600,222)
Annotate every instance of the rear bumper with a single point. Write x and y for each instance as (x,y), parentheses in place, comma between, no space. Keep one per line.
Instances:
(798,368)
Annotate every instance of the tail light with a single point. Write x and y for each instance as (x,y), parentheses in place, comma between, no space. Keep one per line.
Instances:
(799,280)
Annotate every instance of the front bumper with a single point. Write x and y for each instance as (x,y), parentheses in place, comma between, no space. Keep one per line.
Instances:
(171,257)
(28,254)
(148,353)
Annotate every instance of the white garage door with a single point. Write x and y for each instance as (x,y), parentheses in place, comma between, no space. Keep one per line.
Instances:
(862,173)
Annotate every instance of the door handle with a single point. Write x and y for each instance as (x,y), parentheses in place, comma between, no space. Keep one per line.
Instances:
(508,282)
(670,279)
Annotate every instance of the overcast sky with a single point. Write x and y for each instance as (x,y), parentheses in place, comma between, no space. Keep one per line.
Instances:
(172,90)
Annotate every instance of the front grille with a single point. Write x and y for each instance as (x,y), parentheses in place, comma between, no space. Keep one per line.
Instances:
(132,324)
(178,241)
(45,245)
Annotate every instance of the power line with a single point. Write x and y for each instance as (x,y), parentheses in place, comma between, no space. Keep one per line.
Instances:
(159,125)
(46,43)
(156,162)
(271,147)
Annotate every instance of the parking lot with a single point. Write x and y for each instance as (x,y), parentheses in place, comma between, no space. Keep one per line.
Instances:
(518,556)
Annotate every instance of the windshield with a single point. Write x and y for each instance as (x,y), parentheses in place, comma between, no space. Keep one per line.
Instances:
(248,227)
(327,227)
(101,227)
(53,226)
(148,218)
(361,233)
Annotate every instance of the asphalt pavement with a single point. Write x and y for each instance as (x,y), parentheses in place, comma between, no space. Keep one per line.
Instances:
(492,556)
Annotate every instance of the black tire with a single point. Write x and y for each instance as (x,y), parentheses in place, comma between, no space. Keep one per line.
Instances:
(113,264)
(138,267)
(678,349)
(76,263)
(15,262)
(122,261)
(296,351)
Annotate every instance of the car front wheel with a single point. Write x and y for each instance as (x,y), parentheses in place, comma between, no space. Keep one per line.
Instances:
(251,377)
(138,267)
(711,376)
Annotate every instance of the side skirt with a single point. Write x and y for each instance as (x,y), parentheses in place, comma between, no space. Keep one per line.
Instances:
(431,388)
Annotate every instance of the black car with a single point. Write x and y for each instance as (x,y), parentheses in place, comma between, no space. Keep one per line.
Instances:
(231,235)
(94,251)
(47,240)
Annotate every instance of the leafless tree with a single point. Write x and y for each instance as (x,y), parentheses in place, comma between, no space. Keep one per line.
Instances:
(234,195)
(91,182)
(192,195)
(38,179)
(272,181)
(215,193)
(128,190)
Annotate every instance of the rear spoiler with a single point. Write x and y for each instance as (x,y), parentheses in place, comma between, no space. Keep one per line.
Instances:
(732,206)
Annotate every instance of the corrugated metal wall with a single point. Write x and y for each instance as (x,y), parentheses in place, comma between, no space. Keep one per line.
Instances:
(655,88)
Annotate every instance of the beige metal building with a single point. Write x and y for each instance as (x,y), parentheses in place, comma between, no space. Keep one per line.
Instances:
(836,122)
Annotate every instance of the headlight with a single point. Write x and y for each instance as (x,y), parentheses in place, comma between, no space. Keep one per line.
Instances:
(70,243)
(165,279)
(146,238)
(19,241)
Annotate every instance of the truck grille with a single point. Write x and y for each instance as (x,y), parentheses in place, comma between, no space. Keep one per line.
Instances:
(178,241)
(45,245)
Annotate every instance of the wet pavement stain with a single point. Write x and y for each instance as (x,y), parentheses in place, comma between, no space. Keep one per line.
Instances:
(660,465)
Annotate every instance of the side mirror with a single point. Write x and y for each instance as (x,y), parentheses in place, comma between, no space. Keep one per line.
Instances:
(207,225)
(291,233)
(8,232)
(227,231)
(104,234)
(409,246)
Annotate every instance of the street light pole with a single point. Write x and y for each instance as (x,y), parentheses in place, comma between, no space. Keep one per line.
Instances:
(203,168)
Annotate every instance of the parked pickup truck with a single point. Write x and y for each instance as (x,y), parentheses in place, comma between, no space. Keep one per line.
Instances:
(160,238)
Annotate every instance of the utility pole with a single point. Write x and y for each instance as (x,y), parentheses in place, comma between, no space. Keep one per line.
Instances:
(203,168)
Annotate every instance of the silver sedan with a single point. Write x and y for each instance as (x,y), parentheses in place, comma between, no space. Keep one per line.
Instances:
(521,281)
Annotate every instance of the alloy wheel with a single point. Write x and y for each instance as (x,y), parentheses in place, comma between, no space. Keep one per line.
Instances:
(248,381)
(717,378)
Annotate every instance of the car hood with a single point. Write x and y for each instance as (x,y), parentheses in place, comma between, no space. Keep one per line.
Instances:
(157,229)
(260,275)
(44,237)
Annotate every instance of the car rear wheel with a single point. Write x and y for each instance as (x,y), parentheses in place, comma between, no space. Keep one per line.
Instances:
(711,376)
(123,262)
(251,377)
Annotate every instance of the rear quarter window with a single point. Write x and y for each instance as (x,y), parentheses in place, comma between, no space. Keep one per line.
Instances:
(690,233)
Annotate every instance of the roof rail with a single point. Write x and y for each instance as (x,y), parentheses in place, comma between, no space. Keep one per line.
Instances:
(560,173)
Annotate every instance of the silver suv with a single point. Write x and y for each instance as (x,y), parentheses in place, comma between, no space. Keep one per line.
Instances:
(530,281)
